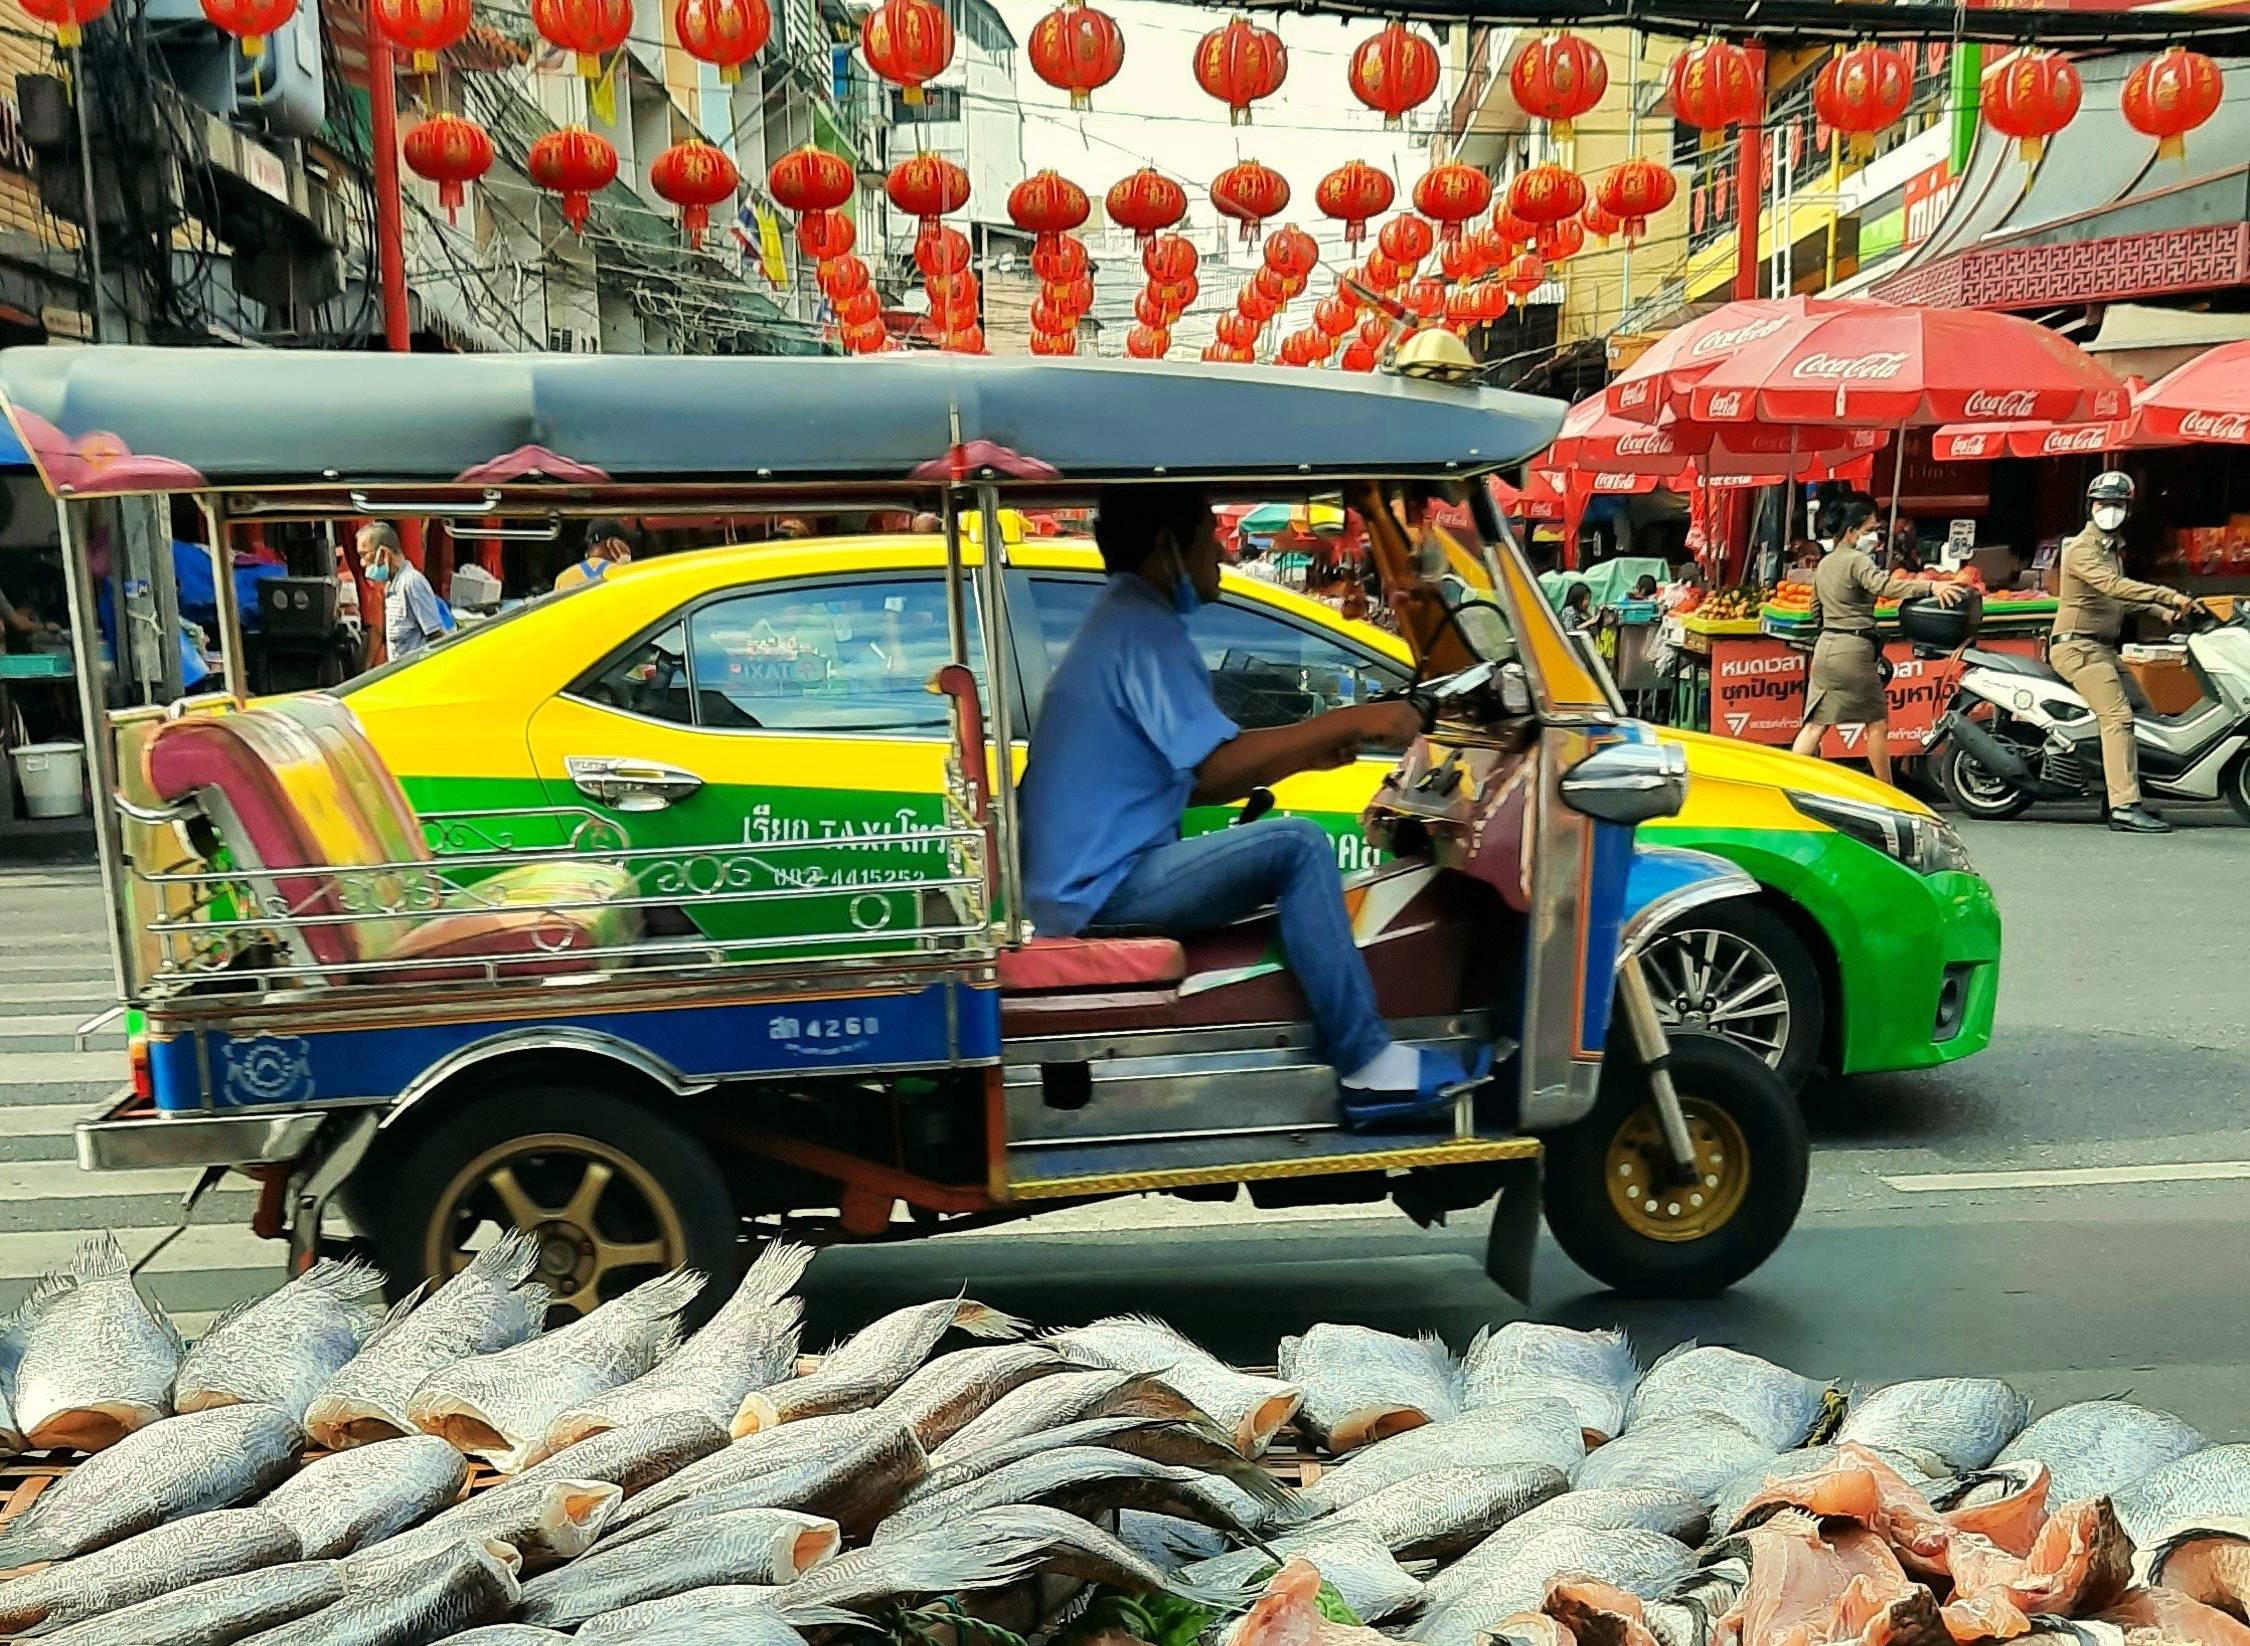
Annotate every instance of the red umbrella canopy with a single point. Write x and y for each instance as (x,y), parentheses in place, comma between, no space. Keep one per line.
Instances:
(2208,399)
(1891,365)
(1593,437)
(1659,381)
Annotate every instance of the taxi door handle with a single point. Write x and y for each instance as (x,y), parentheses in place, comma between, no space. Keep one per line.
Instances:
(630,785)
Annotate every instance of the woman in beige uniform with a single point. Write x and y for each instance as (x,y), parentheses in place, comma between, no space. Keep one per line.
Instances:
(1846,687)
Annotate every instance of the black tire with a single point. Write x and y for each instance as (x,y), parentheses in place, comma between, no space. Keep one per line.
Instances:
(1731,943)
(2236,784)
(664,1202)
(1714,1078)
(1976,792)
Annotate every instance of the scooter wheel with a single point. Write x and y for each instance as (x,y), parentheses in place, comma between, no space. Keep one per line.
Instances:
(1975,791)
(1611,1201)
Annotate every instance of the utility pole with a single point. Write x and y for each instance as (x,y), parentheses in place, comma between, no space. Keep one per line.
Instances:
(390,224)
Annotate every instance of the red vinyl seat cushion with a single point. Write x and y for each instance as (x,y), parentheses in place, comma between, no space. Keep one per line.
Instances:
(1055,965)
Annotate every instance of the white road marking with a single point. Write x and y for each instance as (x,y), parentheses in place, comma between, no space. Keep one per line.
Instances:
(2075,1177)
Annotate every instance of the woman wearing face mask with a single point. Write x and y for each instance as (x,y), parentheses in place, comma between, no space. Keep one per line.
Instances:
(1846,686)
(1130,734)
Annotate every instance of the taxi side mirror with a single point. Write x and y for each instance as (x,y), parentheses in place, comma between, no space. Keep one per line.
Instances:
(1628,782)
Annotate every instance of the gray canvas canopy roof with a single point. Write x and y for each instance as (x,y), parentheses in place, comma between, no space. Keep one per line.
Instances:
(109,421)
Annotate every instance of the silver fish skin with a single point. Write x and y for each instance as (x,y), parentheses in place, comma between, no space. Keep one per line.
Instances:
(872,1362)
(184,1466)
(409,1603)
(2212,1483)
(1361,1385)
(97,1358)
(278,1350)
(1168,1542)
(938,1400)
(1697,1452)
(1771,1402)
(1735,1496)
(2096,1448)
(343,1501)
(1948,1424)
(1365,1572)
(500,1406)
(856,1483)
(759,1546)
(1540,1429)
(1071,1547)
(217,1613)
(745,1459)
(1065,1397)
(1594,1371)
(506,1634)
(1197,1442)
(493,1304)
(749,1344)
(1076,1474)
(551,1522)
(1616,1509)
(1249,1407)
(635,1457)
(732,1614)
(1439,1514)
(144,1566)
(1646,1563)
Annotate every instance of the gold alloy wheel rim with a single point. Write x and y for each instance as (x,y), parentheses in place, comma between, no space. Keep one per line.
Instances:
(1637,1172)
(573,1219)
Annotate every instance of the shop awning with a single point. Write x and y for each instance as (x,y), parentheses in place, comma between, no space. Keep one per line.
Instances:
(2141,341)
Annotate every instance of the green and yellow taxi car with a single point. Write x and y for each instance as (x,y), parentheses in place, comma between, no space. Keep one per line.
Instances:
(777,692)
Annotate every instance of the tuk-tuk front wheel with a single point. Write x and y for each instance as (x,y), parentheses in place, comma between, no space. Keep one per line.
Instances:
(614,1194)
(1622,1213)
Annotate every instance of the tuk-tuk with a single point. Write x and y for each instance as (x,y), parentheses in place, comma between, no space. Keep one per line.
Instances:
(450,1024)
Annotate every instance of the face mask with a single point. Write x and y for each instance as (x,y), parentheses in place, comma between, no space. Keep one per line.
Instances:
(2109,516)
(1186,597)
(379,573)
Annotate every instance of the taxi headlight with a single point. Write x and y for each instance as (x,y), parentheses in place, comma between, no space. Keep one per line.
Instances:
(1924,844)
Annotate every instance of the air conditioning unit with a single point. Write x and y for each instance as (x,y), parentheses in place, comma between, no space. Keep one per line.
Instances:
(281,90)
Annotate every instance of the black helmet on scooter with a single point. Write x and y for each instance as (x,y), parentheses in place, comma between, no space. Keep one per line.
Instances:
(2110,487)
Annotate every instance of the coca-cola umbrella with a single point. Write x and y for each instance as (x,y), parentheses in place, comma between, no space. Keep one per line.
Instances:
(1974,442)
(1657,383)
(2208,399)
(1595,437)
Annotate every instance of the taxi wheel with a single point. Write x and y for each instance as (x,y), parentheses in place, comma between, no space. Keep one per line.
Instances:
(1614,1206)
(1736,970)
(613,1192)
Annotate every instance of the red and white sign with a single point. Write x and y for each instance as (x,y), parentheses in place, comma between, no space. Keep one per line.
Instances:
(1758,692)
(1928,196)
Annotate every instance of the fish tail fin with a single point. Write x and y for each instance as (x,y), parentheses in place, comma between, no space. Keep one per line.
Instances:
(345,1279)
(1441,1358)
(983,1320)
(100,1257)
(508,1262)
(388,1319)
(666,1295)
(1259,1486)
(777,1270)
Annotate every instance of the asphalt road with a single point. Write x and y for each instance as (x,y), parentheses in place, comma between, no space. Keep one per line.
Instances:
(1938,1236)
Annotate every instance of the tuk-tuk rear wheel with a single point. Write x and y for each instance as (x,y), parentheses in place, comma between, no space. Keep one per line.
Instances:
(1737,1110)
(614,1193)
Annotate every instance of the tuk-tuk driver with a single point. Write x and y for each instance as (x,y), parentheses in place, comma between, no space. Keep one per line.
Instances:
(1130,734)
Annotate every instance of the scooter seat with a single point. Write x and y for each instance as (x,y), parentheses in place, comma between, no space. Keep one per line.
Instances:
(2031,668)
(1060,965)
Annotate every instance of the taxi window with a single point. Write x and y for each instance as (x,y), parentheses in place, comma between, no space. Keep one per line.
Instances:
(650,679)
(841,657)
(1265,670)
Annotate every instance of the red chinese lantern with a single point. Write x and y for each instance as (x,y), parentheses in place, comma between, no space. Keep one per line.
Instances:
(1077,49)
(1392,71)
(1148,342)
(1273,285)
(1375,330)
(1294,350)
(1462,308)
(1557,78)
(1358,355)
(927,186)
(842,276)
(724,33)
(68,18)
(1249,193)
(1713,87)
(1147,202)
(1491,250)
(694,176)
(810,179)
(573,163)
(1451,193)
(420,28)
(907,42)
(1148,308)
(865,339)
(1424,297)
(587,28)
(250,21)
(1461,259)
(2169,96)
(1560,242)
(1239,64)
(1545,194)
(1063,259)
(1048,205)
(1512,230)
(941,251)
(1862,92)
(857,308)
(1073,297)
(1168,257)
(2030,95)
(1292,253)
(1524,276)
(1049,316)
(1352,193)
(1174,295)
(967,340)
(951,291)
(825,234)
(1632,192)
(1237,330)
(1492,300)
(1224,355)
(1054,343)
(1253,302)
(1334,316)
(1381,273)
(450,152)
(1406,240)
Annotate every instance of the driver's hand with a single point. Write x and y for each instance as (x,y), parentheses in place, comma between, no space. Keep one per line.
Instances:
(1947,594)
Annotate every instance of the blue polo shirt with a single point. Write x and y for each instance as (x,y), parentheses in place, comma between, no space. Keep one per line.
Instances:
(1127,718)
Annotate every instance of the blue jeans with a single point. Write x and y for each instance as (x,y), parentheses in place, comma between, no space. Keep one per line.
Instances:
(1217,878)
